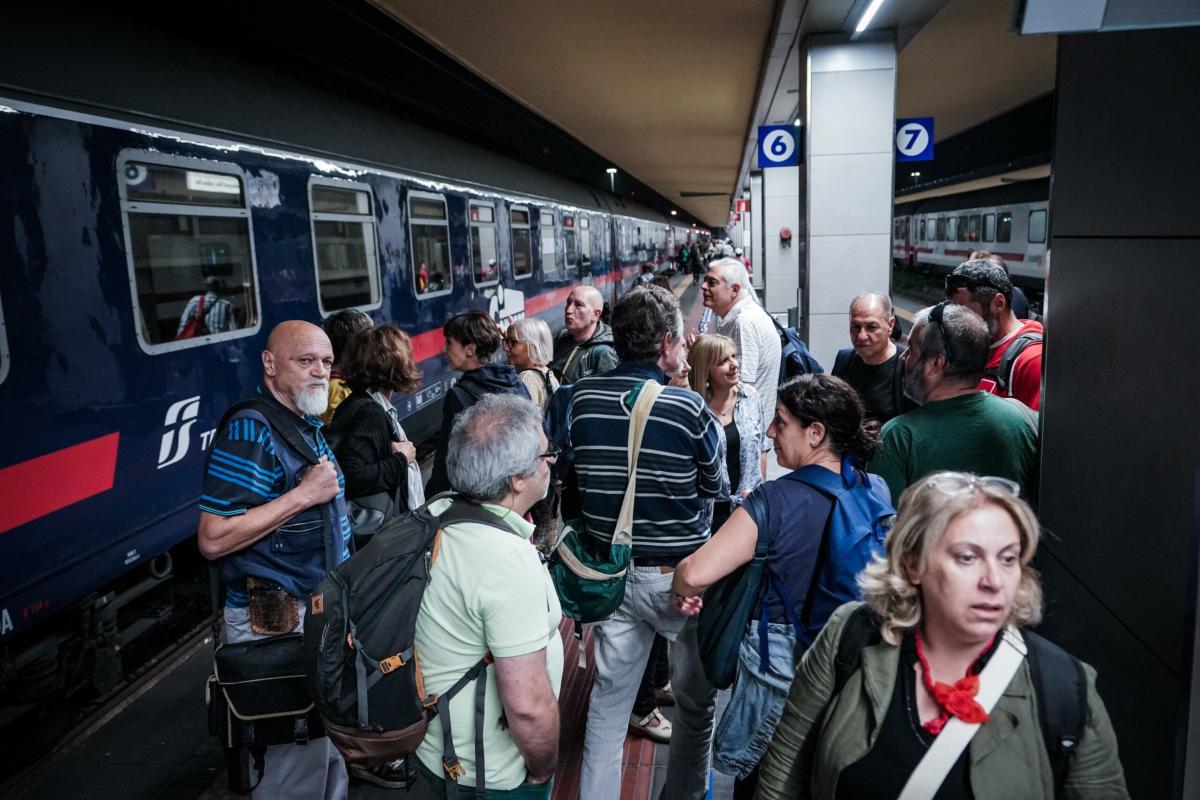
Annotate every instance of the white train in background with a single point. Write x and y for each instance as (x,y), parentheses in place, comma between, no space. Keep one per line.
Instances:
(938,233)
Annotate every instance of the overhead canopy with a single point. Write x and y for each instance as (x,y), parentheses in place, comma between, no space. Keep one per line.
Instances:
(672,93)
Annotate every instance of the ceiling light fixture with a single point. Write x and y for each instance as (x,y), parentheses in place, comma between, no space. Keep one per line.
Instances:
(867,16)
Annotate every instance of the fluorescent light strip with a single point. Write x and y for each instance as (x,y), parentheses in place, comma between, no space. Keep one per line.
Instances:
(868,15)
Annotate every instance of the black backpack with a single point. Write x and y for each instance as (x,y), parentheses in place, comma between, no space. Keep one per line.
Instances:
(1058,680)
(1002,374)
(362,667)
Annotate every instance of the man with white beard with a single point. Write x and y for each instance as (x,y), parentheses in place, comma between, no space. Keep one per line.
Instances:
(273,514)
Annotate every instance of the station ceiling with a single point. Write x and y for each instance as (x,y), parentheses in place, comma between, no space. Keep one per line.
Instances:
(672,93)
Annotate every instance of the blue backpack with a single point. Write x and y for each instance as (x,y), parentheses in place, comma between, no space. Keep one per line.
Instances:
(856,531)
(794,358)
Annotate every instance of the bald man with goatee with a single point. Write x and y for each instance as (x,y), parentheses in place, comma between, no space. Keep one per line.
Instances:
(273,516)
(585,345)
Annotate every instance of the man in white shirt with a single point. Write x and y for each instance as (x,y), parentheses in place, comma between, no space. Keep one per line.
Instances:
(726,290)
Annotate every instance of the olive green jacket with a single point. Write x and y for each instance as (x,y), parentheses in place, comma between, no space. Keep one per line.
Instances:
(1007,756)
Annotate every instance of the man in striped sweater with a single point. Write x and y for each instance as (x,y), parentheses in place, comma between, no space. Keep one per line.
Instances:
(678,471)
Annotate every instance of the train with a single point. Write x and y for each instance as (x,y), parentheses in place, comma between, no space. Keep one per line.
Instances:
(110,403)
(1012,220)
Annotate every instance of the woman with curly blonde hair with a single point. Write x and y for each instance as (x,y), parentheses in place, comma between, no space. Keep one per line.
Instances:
(946,600)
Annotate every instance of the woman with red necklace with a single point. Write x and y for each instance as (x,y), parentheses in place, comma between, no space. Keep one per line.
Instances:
(937,656)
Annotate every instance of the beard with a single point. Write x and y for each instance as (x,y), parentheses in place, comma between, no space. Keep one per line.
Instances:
(313,399)
(914,386)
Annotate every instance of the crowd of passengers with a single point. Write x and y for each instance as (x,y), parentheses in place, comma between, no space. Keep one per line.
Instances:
(931,695)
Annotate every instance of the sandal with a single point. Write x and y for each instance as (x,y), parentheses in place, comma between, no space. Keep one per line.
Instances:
(653,726)
(664,696)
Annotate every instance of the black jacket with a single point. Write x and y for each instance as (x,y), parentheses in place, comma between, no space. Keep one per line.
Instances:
(471,387)
(362,438)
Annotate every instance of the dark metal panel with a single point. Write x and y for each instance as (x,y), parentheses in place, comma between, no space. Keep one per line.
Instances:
(1127,122)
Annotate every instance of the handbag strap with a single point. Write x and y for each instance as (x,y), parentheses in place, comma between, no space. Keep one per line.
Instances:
(647,394)
(954,738)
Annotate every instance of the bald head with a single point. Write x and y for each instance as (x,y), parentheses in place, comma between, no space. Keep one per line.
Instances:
(871,324)
(296,366)
(582,312)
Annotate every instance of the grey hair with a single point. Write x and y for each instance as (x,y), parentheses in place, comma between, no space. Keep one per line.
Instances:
(536,335)
(969,339)
(733,272)
(875,297)
(641,318)
(924,514)
(492,441)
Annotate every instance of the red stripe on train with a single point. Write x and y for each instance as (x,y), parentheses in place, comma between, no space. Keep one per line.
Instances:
(429,344)
(1005,256)
(42,485)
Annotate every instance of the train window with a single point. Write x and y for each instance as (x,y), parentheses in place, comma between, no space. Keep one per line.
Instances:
(485,252)
(191,254)
(962,228)
(973,228)
(429,238)
(989,227)
(585,240)
(922,229)
(1037,226)
(344,245)
(1004,226)
(5,358)
(549,259)
(569,244)
(522,247)
(951,229)
(941,229)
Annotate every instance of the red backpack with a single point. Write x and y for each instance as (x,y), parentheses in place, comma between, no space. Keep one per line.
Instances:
(195,325)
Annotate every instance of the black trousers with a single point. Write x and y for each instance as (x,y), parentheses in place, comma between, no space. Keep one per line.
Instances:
(656,676)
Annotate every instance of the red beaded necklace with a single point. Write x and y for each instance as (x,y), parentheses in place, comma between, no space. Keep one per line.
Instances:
(957,700)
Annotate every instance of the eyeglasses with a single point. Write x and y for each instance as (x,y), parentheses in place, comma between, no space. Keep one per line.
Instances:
(551,454)
(510,342)
(959,483)
(935,316)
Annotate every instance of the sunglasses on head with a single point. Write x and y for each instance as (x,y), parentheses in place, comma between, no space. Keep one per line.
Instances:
(935,316)
(959,484)
(955,282)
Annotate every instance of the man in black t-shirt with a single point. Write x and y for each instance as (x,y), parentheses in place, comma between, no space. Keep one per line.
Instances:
(873,365)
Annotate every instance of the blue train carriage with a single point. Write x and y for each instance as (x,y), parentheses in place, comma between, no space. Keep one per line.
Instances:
(110,386)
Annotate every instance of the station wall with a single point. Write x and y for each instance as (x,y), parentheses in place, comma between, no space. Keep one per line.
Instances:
(1120,440)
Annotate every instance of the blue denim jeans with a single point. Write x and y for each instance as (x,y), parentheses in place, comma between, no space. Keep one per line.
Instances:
(621,645)
(749,721)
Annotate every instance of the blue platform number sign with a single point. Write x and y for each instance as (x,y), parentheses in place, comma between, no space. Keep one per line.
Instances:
(914,139)
(778,146)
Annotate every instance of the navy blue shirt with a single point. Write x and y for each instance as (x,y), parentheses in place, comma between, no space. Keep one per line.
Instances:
(678,467)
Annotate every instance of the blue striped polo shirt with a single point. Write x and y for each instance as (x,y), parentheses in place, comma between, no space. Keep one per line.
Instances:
(678,468)
(244,472)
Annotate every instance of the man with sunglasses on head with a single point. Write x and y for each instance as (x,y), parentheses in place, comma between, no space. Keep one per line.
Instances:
(1014,366)
(957,427)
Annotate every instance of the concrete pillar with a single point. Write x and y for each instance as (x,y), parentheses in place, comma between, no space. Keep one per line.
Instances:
(781,265)
(757,260)
(849,155)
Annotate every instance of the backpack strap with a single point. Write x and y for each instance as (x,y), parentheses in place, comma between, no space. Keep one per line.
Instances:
(1004,371)
(1061,687)
(450,763)
(281,421)
(464,510)
(860,632)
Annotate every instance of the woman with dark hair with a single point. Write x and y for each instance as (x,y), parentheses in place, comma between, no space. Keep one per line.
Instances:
(472,338)
(375,455)
(819,425)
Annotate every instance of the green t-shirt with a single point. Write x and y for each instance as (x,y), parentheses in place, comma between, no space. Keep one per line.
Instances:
(487,591)
(978,433)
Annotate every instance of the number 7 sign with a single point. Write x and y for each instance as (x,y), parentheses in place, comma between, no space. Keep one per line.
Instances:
(914,139)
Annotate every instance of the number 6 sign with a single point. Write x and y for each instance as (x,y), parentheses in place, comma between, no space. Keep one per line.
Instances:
(914,139)
(778,146)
